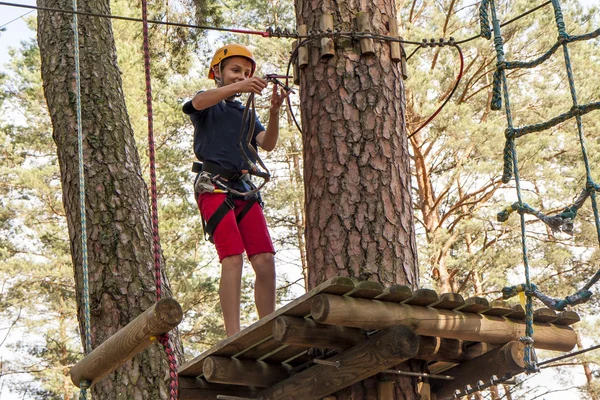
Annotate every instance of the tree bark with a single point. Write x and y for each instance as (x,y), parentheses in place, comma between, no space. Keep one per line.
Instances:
(356,162)
(119,235)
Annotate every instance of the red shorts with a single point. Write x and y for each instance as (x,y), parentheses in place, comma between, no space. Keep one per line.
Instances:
(232,239)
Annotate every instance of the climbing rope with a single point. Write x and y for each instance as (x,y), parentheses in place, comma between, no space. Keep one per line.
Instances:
(163,339)
(85,384)
(564,221)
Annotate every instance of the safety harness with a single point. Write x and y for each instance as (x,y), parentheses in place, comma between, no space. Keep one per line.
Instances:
(217,175)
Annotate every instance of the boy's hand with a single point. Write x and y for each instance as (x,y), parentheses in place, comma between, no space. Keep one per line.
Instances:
(251,85)
(277,99)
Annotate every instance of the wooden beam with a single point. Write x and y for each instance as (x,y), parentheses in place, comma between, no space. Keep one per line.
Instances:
(363,22)
(327,45)
(385,390)
(373,314)
(395,53)
(231,371)
(505,359)
(302,51)
(140,333)
(381,351)
(195,389)
(307,333)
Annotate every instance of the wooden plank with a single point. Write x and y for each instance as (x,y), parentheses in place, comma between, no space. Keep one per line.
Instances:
(544,315)
(307,333)
(474,305)
(385,390)
(395,293)
(195,389)
(422,297)
(231,371)
(448,301)
(366,290)
(381,351)
(505,359)
(133,338)
(363,22)
(439,349)
(566,318)
(426,321)
(498,308)
(284,353)
(517,312)
(262,329)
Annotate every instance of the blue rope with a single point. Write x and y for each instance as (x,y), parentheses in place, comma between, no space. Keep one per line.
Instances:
(511,155)
(563,221)
(84,250)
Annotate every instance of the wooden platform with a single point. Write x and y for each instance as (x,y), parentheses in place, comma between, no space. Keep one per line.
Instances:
(341,331)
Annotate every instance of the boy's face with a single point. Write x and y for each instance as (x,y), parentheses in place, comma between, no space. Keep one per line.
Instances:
(233,70)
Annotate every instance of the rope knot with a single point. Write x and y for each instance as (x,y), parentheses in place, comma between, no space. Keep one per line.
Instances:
(526,340)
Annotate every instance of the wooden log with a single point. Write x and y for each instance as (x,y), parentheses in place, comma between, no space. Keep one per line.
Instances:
(505,359)
(140,333)
(422,297)
(474,305)
(498,308)
(231,371)
(424,390)
(194,389)
(307,333)
(302,51)
(518,312)
(373,314)
(385,390)
(327,46)
(395,293)
(366,290)
(363,22)
(381,351)
(544,315)
(403,65)
(295,69)
(395,54)
(439,349)
(448,301)
(566,318)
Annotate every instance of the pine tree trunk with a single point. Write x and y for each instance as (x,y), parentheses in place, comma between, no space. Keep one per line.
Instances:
(121,271)
(356,163)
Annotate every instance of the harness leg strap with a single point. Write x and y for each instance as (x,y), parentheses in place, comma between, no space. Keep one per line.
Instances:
(210,225)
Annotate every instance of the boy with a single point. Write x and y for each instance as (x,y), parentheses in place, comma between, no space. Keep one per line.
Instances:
(217,119)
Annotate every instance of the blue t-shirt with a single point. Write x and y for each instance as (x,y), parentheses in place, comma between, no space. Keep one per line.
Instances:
(217,131)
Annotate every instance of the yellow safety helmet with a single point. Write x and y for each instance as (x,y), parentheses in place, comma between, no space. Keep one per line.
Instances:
(231,50)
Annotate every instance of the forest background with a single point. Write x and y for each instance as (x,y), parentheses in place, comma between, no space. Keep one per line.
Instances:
(457,163)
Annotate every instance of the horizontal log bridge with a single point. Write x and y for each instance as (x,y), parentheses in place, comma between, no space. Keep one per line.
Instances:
(378,353)
(373,314)
(232,371)
(160,318)
(502,360)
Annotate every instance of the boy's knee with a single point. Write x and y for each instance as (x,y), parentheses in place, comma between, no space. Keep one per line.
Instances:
(263,259)
(263,264)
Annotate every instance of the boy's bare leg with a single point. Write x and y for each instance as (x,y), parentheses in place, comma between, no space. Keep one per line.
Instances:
(230,288)
(264,287)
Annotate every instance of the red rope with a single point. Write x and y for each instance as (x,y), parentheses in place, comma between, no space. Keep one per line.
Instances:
(163,339)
